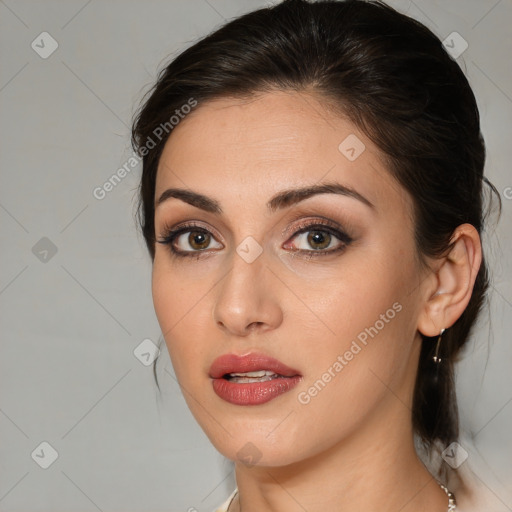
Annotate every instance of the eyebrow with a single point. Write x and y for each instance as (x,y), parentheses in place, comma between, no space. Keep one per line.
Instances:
(281,200)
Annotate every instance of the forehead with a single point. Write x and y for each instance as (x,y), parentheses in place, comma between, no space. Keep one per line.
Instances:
(270,141)
(278,125)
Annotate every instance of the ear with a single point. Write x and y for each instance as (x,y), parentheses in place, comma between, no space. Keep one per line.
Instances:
(453,282)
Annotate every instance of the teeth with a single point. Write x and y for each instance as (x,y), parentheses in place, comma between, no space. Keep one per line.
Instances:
(246,380)
(259,373)
(259,376)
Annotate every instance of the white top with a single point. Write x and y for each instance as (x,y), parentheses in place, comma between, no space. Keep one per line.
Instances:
(224,507)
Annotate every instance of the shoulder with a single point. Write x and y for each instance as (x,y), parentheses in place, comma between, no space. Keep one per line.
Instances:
(224,506)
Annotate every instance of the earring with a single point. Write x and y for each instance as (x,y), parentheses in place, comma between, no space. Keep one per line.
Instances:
(436,357)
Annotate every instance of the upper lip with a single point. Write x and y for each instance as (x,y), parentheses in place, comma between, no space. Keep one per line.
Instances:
(232,363)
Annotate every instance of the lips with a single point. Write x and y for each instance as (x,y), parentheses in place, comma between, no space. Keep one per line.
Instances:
(232,363)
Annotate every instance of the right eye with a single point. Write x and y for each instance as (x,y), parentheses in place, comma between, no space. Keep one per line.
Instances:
(189,240)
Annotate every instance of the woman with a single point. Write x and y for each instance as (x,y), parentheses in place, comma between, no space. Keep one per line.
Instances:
(311,199)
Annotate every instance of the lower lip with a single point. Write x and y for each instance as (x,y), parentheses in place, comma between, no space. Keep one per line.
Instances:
(253,393)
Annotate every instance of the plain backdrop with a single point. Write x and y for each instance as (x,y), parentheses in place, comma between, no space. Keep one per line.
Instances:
(75,276)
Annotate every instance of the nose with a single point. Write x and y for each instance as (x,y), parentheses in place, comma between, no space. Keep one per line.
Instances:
(247,299)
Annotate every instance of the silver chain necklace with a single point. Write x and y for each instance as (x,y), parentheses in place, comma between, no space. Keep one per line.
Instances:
(452,504)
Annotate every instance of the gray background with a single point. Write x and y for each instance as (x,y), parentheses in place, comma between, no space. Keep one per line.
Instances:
(71,320)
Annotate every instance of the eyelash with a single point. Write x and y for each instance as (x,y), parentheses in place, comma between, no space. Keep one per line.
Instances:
(170,235)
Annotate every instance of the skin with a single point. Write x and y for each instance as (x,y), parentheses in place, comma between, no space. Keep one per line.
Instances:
(350,447)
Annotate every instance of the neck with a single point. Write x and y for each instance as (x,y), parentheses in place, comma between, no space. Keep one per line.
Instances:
(369,471)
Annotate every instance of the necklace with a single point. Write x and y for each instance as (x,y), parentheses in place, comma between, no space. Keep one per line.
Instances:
(452,504)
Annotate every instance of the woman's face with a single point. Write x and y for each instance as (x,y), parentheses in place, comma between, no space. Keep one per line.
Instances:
(326,282)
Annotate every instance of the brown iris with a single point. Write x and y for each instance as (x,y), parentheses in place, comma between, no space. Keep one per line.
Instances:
(319,239)
(199,240)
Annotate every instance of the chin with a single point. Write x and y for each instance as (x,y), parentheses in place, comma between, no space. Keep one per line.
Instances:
(258,448)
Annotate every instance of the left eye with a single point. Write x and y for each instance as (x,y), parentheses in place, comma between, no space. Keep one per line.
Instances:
(318,239)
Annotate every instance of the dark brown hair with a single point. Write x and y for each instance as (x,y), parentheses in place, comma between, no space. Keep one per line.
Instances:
(391,76)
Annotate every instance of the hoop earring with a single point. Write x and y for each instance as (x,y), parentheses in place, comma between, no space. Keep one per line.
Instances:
(436,357)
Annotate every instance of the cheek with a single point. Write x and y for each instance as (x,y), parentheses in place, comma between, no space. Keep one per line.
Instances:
(165,293)
(366,325)
(354,373)
(172,301)
(175,294)
(182,307)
